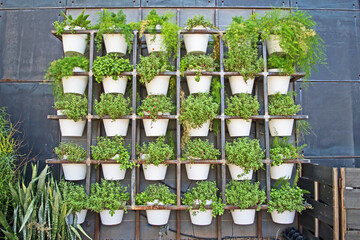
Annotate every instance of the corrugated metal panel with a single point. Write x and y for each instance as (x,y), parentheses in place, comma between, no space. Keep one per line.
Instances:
(335,4)
(101,3)
(258,3)
(31,3)
(177,3)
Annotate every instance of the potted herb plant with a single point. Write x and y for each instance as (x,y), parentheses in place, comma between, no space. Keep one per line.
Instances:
(108,69)
(155,106)
(244,156)
(198,63)
(284,202)
(75,198)
(283,67)
(117,34)
(244,195)
(167,40)
(75,108)
(197,43)
(76,155)
(280,152)
(241,105)
(198,149)
(156,195)
(109,199)
(201,197)
(112,149)
(241,39)
(282,105)
(149,68)
(196,114)
(73,44)
(154,155)
(61,72)
(115,106)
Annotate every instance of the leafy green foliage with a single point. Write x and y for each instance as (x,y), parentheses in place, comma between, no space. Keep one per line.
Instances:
(72,152)
(204,190)
(74,196)
(153,104)
(74,106)
(244,194)
(199,149)
(198,20)
(282,150)
(115,105)
(110,65)
(110,22)
(108,195)
(243,105)
(283,105)
(283,63)
(156,152)
(80,21)
(286,198)
(150,66)
(158,192)
(245,153)
(197,63)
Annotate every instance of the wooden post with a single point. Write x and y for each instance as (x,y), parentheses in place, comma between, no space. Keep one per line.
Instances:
(316,196)
(336,228)
(342,204)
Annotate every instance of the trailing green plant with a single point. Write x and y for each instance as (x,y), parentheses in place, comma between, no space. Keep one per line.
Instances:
(158,192)
(108,195)
(108,148)
(297,37)
(153,104)
(169,30)
(150,66)
(71,151)
(155,152)
(198,149)
(108,23)
(281,151)
(74,196)
(64,68)
(283,63)
(245,153)
(80,21)
(197,63)
(243,105)
(74,106)
(111,65)
(198,20)
(197,196)
(283,105)
(244,194)
(286,198)
(216,94)
(114,105)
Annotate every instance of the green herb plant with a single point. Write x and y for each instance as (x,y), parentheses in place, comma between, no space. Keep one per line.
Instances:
(74,106)
(80,21)
(197,63)
(198,20)
(198,149)
(243,105)
(282,150)
(283,105)
(150,66)
(72,151)
(153,104)
(155,152)
(283,63)
(158,192)
(114,105)
(74,196)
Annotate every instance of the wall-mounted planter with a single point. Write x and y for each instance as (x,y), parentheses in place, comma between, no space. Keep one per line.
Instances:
(281,127)
(153,173)
(201,218)
(203,86)
(197,171)
(273,44)
(107,219)
(238,85)
(70,128)
(239,127)
(74,43)
(116,127)
(75,84)
(74,171)
(202,131)
(115,43)
(79,215)
(237,173)
(243,217)
(196,43)
(278,84)
(284,170)
(159,85)
(286,217)
(154,128)
(154,43)
(157,217)
(112,171)
(115,86)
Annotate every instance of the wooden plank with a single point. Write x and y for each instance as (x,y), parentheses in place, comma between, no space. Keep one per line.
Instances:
(325,231)
(307,221)
(352,235)
(321,211)
(342,204)
(352,177)
(352,198)
(315,172)
(307,184)
(326,194)
(352,218)
(336,212)
(309,235)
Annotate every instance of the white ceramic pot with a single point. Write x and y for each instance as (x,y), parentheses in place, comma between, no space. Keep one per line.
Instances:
(113,171)
(154,128)
(243,217)
(116,127)
(238,173)
(196,43)
(203,86)
(281,127)
(115,86)
(157,217)
(107,219)
(80,217)
(74,43)
(278,84)
(155,43)
(286,217)
(284,170)
(153,173)
(238,85)
(159,85)
(239,127)
(202,131)
(197,171)
(273,44)
(75,84)
(115,43)
(70,128)
(74,171)
(201,218)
